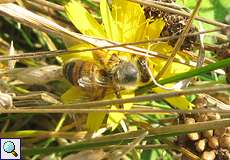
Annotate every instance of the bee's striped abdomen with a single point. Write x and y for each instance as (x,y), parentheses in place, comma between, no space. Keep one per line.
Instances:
(86,76)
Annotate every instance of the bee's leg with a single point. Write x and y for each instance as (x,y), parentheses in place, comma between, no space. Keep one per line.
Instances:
(113,61)
(118,95)
(142,66)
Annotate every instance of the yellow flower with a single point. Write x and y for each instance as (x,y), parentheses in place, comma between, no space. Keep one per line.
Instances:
(125,22)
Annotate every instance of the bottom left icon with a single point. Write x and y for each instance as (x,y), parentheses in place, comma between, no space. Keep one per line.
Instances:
(10,148)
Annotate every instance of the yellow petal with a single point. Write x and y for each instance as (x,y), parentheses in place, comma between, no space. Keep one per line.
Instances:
(115,117)
(94,120)
(83,20)
(130,18)
(80,55)
(178,102)
(72,95)
(175,68)
(154,28)
(166,49)
(111,28)
(157,64)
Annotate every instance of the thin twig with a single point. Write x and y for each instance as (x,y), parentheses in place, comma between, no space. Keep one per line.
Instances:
(101,103)
(170,5)
(145,147)
(6,1)
(49,4)
(40,8)
(149,97)
(60,52)
(107,111)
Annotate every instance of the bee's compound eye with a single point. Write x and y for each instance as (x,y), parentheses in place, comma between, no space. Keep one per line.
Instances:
(126,74)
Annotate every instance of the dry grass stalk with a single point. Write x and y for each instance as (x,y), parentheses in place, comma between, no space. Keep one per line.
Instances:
(7,1)
(88,110)
(42,109)
(49,4)
(35,98)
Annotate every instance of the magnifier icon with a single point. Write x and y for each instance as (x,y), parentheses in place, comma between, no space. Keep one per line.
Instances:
(9,147)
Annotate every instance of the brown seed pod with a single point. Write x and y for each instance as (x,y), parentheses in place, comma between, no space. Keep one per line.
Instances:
(225,142)
(189,121)
(208,155)
(213,142)
(193,136)
(200,145)
(207,134)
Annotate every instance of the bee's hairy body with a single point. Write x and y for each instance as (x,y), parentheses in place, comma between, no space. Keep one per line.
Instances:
(88,77)
(97,79)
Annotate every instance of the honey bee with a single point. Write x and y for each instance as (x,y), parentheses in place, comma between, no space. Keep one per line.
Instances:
(97,78)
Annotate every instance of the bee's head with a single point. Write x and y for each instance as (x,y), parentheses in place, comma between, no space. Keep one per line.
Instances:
(126,74)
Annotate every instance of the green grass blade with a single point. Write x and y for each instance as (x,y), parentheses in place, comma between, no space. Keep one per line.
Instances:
(189,74)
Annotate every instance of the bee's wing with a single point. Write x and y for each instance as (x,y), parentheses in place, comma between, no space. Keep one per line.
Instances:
(87,82)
